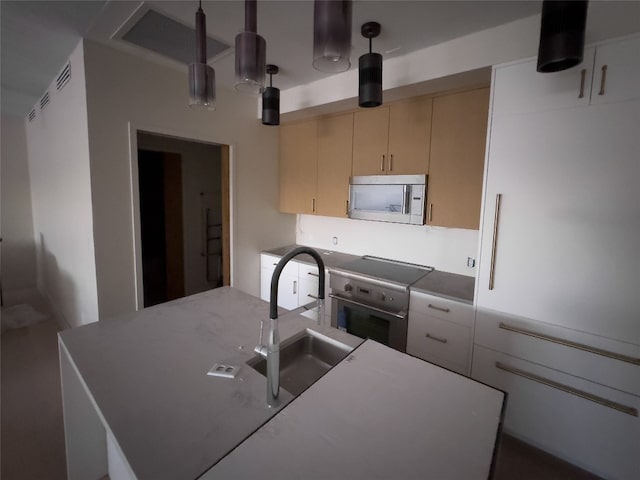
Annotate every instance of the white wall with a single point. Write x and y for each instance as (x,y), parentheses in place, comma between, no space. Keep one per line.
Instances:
(122,88)
(201,173)
(58,149)
(445,249)
(18,249)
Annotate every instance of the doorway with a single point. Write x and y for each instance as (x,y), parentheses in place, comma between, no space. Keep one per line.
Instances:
(184,216)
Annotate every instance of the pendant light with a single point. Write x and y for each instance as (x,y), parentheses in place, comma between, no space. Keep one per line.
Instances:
(370,70)
(561,35)
(332,35)
(250,53)
(271,100)
(202,78)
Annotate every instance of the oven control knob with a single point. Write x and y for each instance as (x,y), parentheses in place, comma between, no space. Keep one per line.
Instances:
(348,287)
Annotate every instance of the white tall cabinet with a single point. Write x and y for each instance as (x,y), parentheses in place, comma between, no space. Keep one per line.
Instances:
(558,285)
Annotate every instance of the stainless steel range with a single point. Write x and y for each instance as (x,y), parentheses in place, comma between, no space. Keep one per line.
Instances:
(370,298)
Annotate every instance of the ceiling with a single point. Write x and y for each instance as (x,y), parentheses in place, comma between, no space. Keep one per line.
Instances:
(37,37)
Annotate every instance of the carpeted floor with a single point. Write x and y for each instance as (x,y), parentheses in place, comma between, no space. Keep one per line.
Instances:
(32,429)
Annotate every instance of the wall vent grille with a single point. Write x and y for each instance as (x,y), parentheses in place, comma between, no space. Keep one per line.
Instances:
(32,115)
(44,101)
(64,77)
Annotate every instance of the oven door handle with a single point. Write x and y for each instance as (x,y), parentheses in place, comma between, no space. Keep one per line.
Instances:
(402,315)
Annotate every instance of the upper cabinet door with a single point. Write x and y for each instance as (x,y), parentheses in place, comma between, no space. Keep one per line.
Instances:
(458,140)
(370,138)
(518,88)
(617,72)
(409,137)
(298,167)
(335,145)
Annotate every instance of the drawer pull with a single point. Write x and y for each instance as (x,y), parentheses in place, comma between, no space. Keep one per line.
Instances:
(445,310)
(569,343)
(573,391)
(437,339)
(313,274)
(312,296)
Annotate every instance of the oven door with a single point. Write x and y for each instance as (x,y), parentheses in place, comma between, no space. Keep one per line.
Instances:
(365,321)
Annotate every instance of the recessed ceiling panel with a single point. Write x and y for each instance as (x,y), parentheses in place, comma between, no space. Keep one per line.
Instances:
(169,38)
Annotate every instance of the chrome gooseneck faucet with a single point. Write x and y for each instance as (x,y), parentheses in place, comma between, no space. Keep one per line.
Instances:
(272,349)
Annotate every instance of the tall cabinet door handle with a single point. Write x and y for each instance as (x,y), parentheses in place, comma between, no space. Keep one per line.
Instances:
(382,163)
(430,211)
(295,287)
(346,212)
(494,243)
(391,162)
(603,80)
(583,74)
(313,205)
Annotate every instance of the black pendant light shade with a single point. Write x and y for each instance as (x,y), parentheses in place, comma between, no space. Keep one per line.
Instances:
(332,35)
(271,100)
(561,34)
(202,79)
(250,54)
(370,71)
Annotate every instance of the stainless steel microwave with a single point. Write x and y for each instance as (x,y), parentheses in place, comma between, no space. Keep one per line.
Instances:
(388,198)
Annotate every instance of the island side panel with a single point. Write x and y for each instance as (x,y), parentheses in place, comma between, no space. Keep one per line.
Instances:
(85,436)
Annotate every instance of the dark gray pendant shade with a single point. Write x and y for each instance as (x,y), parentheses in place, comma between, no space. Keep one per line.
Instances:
(332,35)
(251,52)
(370,71)
(562,31)
(271,100)
(202,77)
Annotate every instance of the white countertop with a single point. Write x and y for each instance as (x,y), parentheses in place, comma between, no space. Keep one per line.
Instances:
(378,414)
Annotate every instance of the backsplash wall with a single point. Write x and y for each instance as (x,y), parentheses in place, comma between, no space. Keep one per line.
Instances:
(445,249)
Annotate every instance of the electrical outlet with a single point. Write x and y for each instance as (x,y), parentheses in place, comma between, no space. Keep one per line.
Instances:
(471,262)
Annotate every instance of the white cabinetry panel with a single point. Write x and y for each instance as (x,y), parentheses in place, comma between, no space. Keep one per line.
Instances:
(616,75)
(588,434)
(569,223)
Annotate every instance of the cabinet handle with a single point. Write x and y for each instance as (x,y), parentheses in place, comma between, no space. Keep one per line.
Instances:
(313,205)
(391,162)
(346,211)
(583,74)
(429,211)
(312,296)
(382,163)
(437,339)
(603,80)
(573,391)
(313,274)
(445,310)
(494,242)
(569,343)
(295,287)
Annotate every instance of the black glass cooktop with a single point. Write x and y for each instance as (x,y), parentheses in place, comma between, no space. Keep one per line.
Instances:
(384,269)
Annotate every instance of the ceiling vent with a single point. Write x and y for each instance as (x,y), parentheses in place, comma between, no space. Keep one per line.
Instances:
(32,115)
(169,38)
(44,101)
(64,77)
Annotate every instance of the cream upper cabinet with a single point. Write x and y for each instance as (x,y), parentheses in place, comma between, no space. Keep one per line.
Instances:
(298,166)
(458,139)
(616,76)
(370,141)
(392,140)
(335,144)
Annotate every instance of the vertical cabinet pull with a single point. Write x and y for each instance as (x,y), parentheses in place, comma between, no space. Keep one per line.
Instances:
(429,211)
(583,74)
(382,163)
(603,80)
(295,287)
(494,243)
(346,211)
(313,205)
(391,162)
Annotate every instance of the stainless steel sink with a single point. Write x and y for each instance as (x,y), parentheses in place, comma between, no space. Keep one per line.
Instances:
(304,358)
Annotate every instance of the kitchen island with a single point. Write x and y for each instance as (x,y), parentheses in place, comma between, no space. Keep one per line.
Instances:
(138,402)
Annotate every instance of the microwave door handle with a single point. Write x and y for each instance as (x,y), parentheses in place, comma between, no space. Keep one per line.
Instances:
(406,198)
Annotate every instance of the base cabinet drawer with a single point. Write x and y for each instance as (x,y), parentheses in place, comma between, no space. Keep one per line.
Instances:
(438,341)
(587,424)
(442,308)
